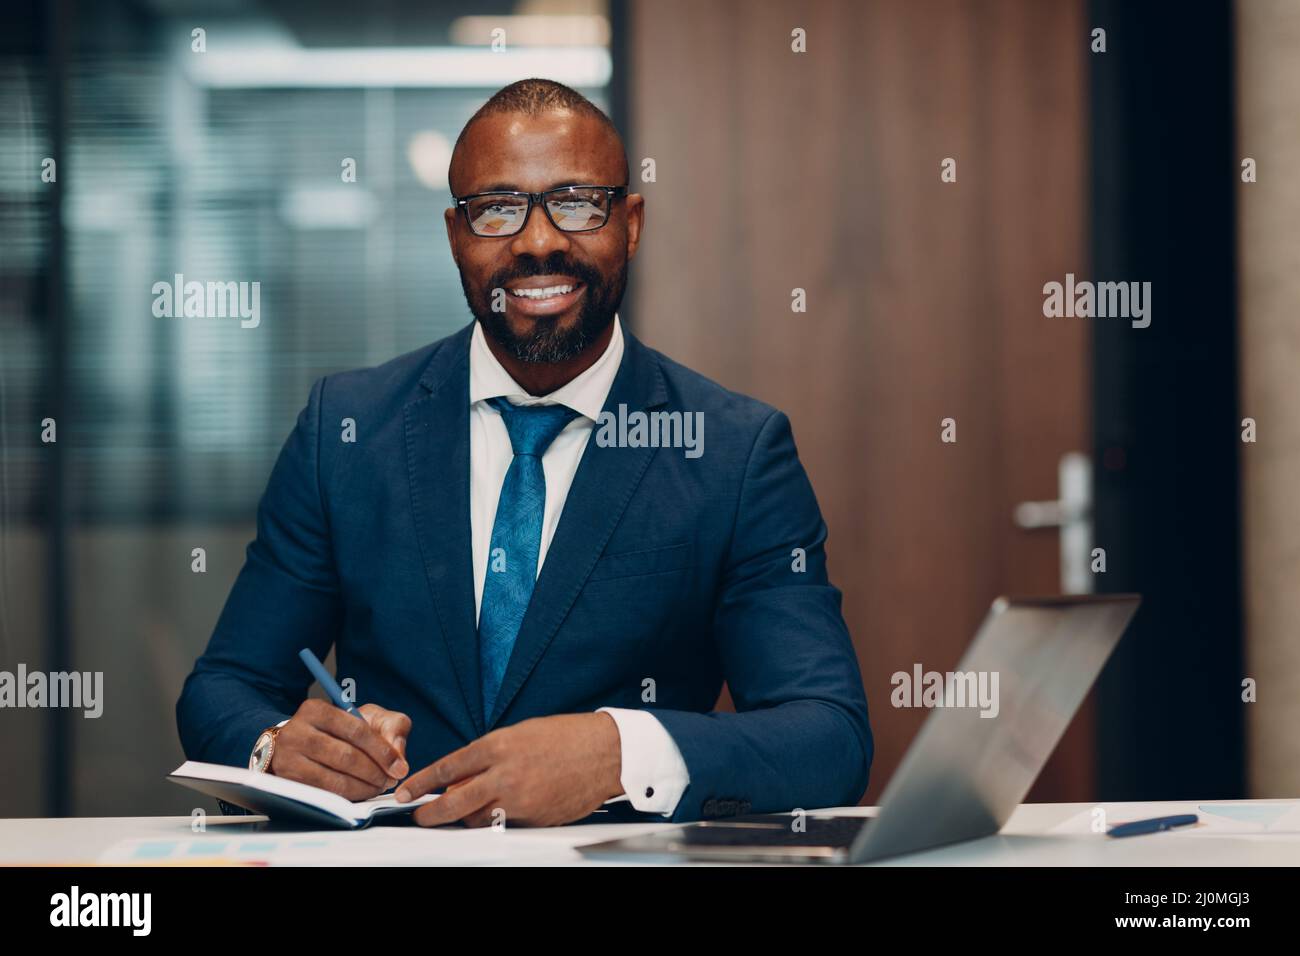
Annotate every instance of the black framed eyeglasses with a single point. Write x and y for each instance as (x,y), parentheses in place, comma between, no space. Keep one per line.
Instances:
(570,209)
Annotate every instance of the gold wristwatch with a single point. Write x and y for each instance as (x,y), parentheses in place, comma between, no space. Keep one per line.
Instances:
(264,749)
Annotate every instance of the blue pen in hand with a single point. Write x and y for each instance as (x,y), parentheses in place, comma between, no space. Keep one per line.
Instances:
(1154,825)
(332,688)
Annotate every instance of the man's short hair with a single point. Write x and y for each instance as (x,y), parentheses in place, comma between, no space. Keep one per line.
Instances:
(536,97)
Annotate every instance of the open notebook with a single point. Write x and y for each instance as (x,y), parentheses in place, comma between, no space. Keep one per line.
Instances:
(288,800)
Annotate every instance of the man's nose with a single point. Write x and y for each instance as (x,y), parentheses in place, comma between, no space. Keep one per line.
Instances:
(539,237)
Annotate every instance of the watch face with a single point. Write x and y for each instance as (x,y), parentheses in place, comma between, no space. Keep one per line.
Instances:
(261,753)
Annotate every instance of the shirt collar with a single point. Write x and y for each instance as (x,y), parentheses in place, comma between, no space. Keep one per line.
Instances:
(586,394)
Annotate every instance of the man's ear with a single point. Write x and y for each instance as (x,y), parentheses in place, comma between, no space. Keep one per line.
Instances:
(449,217)
(635,203)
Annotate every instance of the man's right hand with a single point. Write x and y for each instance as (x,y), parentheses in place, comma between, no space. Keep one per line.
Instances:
(329,748)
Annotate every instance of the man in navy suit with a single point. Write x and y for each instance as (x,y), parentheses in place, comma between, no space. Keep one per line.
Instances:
(538,547)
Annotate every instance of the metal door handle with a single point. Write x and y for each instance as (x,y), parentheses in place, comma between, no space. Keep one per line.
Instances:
(1071,513)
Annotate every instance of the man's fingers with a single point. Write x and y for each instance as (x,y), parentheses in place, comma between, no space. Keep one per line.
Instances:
(468,760)
(393,725)
(343,757)
(295,766)
(361,735)
(457,803)
(483,817)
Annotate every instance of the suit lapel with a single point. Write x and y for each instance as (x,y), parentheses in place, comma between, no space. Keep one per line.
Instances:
(601,489)
(437,453)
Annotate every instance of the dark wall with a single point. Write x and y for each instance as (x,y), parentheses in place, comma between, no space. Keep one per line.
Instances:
(1166,426)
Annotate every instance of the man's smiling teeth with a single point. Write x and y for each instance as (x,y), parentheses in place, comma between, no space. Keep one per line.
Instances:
(542,293)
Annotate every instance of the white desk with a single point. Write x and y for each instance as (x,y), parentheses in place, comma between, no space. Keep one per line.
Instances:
(1025,841)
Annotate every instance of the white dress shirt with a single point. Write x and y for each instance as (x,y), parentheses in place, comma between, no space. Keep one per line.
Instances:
(654,775)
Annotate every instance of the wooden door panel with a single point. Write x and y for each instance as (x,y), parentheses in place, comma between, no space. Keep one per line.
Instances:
(924,297)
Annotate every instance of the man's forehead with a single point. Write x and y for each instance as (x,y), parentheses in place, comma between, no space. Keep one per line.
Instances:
(534,153)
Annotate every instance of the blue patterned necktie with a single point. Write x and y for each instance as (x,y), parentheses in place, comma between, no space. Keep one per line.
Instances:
(516,537)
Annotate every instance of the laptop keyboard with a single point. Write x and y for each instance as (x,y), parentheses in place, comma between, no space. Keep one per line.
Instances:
(775,830)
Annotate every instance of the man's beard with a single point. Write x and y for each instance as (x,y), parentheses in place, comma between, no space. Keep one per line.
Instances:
(547,342)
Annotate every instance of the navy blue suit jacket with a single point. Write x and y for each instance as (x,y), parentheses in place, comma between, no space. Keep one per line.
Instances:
(664,568)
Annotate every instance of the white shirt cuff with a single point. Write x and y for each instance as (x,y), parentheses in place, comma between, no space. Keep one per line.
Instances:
(653,774)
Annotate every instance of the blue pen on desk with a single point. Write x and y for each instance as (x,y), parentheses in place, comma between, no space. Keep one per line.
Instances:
(332,688)
(1154,825)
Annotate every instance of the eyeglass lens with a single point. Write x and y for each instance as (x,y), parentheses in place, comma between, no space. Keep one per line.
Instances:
(501,214)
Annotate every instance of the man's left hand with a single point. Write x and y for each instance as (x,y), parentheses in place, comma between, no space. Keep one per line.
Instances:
(546,771)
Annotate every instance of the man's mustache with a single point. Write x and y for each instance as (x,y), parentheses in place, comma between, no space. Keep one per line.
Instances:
(582,273)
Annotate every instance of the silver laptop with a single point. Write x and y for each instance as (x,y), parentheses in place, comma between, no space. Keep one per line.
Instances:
(965,773)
